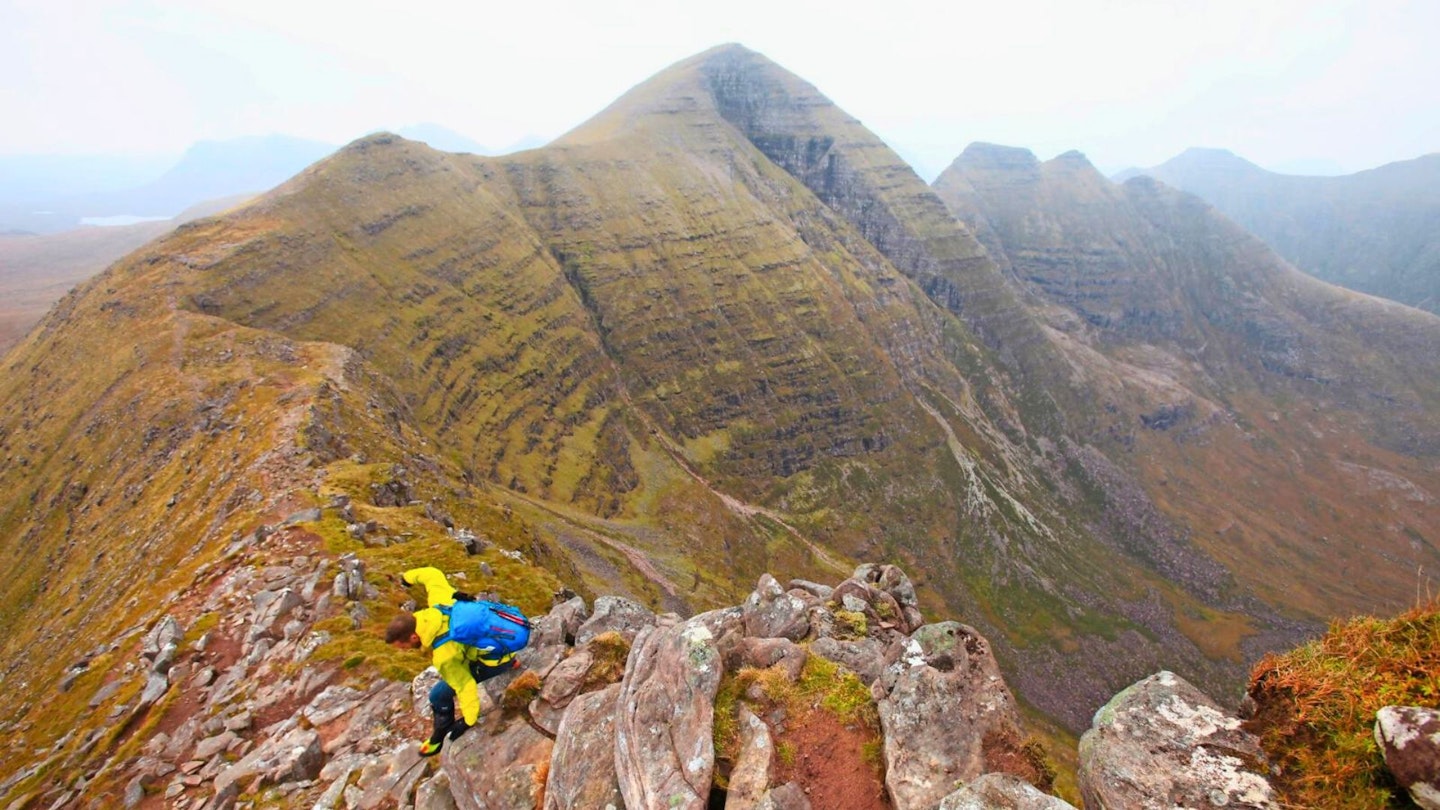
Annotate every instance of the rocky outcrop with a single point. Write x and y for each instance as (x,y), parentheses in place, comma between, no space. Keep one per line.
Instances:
(1409,739)
(478,782)
(582,767)
(750,780)
(945,709)
(592,720)
(1162,743)
(770,612)
(665,753)
(617,614)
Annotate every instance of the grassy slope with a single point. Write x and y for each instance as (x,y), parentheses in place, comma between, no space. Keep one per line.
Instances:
(36,271)
(1316,705)
(587,344)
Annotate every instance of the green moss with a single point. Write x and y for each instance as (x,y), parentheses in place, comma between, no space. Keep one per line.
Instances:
(725,730)
(850,624)
(203,624)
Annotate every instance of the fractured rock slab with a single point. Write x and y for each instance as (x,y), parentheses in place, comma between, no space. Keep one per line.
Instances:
(1164,743)
(1001,791)
(664,752)
(939,702)
(582,766)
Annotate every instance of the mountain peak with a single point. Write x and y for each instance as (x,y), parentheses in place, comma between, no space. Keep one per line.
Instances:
(682,90)
(1073,164)
(995,156)
(1210,160)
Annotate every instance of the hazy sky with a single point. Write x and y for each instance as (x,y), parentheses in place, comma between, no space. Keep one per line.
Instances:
(1128,83)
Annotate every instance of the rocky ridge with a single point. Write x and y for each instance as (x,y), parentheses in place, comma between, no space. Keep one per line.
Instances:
(615,706)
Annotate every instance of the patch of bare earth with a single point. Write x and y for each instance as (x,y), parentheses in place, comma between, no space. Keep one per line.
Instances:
(829,763)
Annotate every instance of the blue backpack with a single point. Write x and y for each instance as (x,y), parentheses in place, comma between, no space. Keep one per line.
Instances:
(496,629)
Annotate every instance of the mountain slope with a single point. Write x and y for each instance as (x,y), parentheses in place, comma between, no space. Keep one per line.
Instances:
(719,329)
(1289,426)
(1372,231)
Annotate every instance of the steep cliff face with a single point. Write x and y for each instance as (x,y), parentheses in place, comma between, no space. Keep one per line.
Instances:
(1372,231)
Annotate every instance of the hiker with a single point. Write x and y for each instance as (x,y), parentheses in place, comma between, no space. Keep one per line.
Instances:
(462,665)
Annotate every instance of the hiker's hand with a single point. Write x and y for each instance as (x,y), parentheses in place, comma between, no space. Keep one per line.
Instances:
(461,596)
(457,728)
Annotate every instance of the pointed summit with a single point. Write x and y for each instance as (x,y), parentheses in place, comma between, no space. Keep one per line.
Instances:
(700,104)
(739,85)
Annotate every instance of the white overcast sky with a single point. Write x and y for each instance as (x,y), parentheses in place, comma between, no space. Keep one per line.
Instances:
(1128,83)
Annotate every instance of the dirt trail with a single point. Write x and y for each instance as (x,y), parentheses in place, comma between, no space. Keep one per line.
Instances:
(746,510)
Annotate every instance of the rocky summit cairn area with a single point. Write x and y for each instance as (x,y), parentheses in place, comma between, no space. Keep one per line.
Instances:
(804,696)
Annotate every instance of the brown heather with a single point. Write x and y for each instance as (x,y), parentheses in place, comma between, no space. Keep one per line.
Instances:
(1316,705)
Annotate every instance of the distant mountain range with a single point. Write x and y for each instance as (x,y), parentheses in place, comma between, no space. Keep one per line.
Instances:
(1376,231)
(208,170)
(47,194)
(36,270)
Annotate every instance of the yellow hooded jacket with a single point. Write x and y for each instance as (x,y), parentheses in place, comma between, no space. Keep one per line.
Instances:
(452,658)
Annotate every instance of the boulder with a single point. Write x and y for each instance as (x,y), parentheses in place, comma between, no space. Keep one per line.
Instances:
(434,794)
(664,752)
(390,780)
(350,583)
(567,618)
(1409,739)
(1161,742)
(617,613)
(420,687)
(751,776)
(334,702)
(770,612)
(815,589)
(945,711)
(763,653)
(582,766)
(1001,791)
(865,658)
(788,796)
(156,684)
(271,610)
(565,679)
(891,580)
(497,766)
(165,632)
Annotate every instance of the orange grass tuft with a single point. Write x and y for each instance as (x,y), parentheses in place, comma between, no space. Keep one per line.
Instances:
(1316,707)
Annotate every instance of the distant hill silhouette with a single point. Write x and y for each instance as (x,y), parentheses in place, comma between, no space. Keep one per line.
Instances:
(1375,231)
(448,140)
(37,269)
(208,170)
